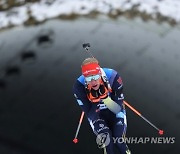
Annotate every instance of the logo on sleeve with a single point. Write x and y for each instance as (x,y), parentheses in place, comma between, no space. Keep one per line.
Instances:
(119,80)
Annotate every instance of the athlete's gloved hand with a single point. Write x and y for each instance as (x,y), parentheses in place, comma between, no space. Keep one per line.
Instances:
(112,105)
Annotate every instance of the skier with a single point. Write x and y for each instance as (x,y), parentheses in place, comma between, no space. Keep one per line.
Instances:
(98,91)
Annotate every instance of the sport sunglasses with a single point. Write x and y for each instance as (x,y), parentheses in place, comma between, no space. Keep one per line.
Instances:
(93,77)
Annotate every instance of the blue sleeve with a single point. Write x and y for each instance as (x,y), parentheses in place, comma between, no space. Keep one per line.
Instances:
(88,107)
(117,90)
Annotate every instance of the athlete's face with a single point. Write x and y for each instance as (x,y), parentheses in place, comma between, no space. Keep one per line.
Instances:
(94,81)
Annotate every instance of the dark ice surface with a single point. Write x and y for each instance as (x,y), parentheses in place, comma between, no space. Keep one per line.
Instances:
(39,64)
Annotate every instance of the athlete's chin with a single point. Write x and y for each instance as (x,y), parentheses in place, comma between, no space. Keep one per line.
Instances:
(96,87)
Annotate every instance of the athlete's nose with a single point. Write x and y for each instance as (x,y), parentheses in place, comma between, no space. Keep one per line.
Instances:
(93,82)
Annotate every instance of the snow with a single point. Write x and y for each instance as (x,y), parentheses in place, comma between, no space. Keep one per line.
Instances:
(45,9)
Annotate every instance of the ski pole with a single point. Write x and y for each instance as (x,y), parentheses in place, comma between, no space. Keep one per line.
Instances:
(161,132)
(75,140)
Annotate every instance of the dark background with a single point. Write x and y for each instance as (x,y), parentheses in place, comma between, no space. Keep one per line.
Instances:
(39,64)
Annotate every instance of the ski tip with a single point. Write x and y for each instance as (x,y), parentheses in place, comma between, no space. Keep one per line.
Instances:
(161,132)
(75,140)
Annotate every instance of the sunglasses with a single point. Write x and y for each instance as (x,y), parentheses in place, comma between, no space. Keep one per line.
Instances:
(93,77)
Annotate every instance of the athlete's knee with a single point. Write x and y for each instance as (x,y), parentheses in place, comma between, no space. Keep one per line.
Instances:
(119,130)
(100,126)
